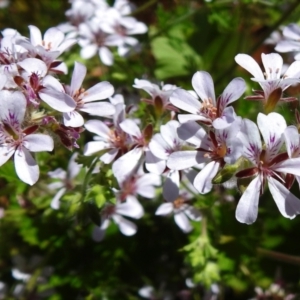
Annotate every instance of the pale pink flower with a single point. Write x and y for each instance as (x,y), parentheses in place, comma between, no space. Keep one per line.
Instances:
(209,110)
(65,180)
(14,140)
(269,165)
(272,83)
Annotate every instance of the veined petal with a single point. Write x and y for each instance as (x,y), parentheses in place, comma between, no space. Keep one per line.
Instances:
(232,92)
(291,136)
(185,101)
(34,65)
(183,222)
(39,142)
(273,64)
(73,119)
(100,91)
(287,203)
(226,119)
(204,86)
(291,166)
(203,180)
(159,147)
(271,127)
(250,138)
(26,167)
(12,107)
(249,64)
(247,208)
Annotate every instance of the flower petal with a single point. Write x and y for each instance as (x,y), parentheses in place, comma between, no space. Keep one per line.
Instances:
(247,208)
(203,180)
(183,222)
(100,91)
(185,101)
(204,86)
(249,64)
(287,203)
(126,227)
(39,142)
(272,127)
(26,167)
(131,208)
(164,209)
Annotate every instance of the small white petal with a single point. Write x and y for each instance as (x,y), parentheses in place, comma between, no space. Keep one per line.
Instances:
(247,208)
(26,167)
(126,227)
(183,222)
(39,142)
(55,203)
(203,180)
(287,203)
(131,208)
(164,209)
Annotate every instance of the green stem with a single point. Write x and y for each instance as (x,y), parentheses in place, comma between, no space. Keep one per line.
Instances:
(87,179)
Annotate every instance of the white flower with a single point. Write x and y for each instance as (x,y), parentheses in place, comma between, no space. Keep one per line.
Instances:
(291,43)
(268,165)
(82,98)
(65,180)
(182,212)
(52,44)
(270,81)
(131,208)
(209,111)
(17,141)
(216,148)
(160,96)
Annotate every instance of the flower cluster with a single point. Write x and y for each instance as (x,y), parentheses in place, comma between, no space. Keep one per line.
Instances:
(99,27)
(198,140)
(35,106)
